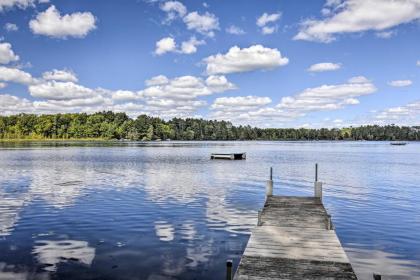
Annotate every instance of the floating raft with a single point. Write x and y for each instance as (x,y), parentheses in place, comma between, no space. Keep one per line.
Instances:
(294,239)
(398,143)
(228,156)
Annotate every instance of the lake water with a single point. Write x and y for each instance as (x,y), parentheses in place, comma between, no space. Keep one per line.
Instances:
(166,211)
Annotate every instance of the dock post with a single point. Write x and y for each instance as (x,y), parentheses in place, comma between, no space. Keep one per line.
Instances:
(317,185)
(318,190)
(229,275)
(259,217)
(376,276)
(329,222)
(269,188)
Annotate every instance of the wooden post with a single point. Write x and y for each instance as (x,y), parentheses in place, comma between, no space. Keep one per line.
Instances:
(316,172)
(329,222)
(229,275)
(259,217)
(377,276)
(318,190)
(269,188)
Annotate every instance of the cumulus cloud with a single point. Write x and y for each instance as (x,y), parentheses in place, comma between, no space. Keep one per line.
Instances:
(157,80)
(15,76)
(187,87)
(22,4)
(328,97)
(190,46)
(165,45)
(60,75)
(168,44)
(10,105)
(173,9)
(400,83)
(409,113)
(239,103)
(205,23)
(10,27)
(52,23)
(53,90)
(6,53)
(237,60)
(267,22)
(324,66)
(2,85)
(233,29)
(124,95)
(358,16)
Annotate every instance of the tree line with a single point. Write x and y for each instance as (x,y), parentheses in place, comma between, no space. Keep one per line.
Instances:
(110,125)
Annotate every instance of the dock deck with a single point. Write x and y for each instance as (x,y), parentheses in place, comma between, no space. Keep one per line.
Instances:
(294,239)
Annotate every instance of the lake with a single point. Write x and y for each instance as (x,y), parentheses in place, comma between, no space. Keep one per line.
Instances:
(164,210)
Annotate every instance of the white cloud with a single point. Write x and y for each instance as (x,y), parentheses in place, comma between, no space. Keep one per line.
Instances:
(22,4)
(324,66)
(400,83)
(204,24)
(233,29)
(10,27)
(60,75)
(157,80)
(267,23)
(237,60)
(359,80)
(6,53)
(328,97)
(265,18)
(418,63)
(51,23)
(190,46)
(239,103)
(165,45)
(15,75)
(188,88)
(409,113)
(124,95)
(358,16)
(385,34)
(53,90)
(173,9)
(10,105)
(2,85)
(168,44)
(268,30)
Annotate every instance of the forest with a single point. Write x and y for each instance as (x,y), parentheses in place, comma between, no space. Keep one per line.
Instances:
(110,125)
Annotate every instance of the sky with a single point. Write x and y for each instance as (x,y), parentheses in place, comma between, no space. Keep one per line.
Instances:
(271,63)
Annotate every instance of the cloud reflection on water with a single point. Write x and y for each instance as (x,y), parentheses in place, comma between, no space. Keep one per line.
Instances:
(51,253)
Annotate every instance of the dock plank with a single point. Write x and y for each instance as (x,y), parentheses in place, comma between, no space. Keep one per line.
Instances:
(293,242)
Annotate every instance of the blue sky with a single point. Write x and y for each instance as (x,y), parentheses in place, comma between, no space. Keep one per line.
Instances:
(271,63)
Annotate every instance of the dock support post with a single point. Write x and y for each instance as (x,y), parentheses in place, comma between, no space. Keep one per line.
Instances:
(259,217)
(229,275)
(318,190)
(329,222)
(317,185)
(376,276)
(269,188)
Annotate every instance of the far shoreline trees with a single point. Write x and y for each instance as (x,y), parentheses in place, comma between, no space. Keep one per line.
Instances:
(110,125)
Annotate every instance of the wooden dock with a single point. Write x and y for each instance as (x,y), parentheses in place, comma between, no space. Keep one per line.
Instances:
(294,239)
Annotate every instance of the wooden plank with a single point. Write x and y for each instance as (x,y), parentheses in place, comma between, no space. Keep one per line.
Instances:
(292,242)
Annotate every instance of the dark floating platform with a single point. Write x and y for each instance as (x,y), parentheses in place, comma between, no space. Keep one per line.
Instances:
(398,143)
(234,156)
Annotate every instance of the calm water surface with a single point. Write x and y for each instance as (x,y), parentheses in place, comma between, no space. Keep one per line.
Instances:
(166,211)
